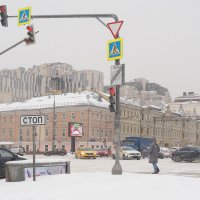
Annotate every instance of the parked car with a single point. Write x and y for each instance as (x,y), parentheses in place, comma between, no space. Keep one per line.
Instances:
(60,152)
(84,152)
(5,156)
(103,152)
(189,154)
(174,149)
(18,150)
(126,153)
(166,152)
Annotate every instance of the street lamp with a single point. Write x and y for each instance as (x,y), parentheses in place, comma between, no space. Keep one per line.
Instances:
(54,124)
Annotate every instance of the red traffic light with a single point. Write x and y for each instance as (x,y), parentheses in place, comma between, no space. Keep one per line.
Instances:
(29,28)
(3,9)
(112,91)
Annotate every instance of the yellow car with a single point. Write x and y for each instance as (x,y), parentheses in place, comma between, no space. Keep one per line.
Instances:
(85,152)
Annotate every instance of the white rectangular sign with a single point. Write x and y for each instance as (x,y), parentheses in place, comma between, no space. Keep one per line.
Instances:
(32,120)
(117,72)
(48,170)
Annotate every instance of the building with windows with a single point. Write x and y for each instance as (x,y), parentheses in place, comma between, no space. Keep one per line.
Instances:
(91,110)
(22,84)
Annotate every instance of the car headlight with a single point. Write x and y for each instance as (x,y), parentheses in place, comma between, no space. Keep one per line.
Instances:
(82,153)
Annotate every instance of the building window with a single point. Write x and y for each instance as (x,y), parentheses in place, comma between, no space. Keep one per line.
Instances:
(46,147)
(47,118)
(64,132)
(82,115)
(46,133)
(72,115)
(27,147)
(64,116)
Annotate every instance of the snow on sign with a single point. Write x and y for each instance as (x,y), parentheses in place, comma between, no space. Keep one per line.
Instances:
(115,27)
(114,49)
(24,16)
(32,120)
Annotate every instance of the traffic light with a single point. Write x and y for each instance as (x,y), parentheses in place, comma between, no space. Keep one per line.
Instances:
(112,99)
(31,34)
(4,16)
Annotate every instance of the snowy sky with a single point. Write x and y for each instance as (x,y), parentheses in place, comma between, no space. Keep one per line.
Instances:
(161,39)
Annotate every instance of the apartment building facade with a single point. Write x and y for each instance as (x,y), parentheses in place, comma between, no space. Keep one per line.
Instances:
(98,123)
(22,84)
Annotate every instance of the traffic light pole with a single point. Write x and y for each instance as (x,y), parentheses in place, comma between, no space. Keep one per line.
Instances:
(117,169)
(13,46)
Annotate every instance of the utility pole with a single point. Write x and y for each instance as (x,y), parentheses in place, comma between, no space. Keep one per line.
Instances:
(54,124)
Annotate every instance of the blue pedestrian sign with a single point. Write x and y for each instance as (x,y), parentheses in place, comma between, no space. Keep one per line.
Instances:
(24,16)
(114,49)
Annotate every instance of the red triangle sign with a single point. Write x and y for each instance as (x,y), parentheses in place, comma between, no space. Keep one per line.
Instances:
(115,27)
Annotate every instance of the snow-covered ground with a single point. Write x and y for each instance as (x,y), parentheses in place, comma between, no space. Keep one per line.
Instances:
(93,180)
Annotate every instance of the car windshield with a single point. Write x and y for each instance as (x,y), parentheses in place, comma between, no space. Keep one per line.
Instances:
(86,149)
(128,148)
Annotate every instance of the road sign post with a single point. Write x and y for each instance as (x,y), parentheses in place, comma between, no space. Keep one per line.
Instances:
(115,52)
(33,120)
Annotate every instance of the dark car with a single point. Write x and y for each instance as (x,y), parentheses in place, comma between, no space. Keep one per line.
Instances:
(60,152)
(189,154)
(5,156)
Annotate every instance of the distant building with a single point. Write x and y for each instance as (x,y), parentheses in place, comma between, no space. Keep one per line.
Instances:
(21,84)
(188,105)
(170,128)
(190,96)
(141,89)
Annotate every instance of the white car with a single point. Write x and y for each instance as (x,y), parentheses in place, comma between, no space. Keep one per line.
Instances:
(166,152)
(126,153)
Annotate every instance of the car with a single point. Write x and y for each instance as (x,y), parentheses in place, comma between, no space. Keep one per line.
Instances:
(85,152)
(126,153)
(18,150)
(166,152)
(189,154)
(60,152)
(103,152)
(5,156)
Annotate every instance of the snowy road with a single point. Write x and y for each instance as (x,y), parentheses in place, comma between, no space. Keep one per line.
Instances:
(167,166)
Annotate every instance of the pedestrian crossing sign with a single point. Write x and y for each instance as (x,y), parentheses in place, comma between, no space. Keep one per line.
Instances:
(24,16)
(114,49)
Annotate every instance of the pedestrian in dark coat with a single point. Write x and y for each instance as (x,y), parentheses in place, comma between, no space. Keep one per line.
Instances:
(153,155)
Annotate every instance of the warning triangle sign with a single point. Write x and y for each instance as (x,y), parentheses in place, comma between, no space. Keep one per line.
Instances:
(24,17)
(115,27)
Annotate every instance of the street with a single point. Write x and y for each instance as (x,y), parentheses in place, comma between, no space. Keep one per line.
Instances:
(104,164)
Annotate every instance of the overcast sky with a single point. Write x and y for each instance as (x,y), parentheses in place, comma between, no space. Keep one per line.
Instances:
(161,39)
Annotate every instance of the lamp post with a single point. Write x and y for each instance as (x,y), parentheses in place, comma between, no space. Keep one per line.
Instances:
(54,124)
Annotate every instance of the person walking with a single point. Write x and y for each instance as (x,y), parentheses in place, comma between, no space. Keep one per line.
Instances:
(153,155)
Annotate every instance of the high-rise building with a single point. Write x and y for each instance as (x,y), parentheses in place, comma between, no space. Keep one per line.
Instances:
(21,84)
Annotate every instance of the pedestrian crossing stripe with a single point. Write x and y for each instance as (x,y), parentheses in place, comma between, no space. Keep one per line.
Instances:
(114,49)
(24,16)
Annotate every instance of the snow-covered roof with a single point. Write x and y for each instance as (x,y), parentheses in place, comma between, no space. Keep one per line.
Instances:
(67,99)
